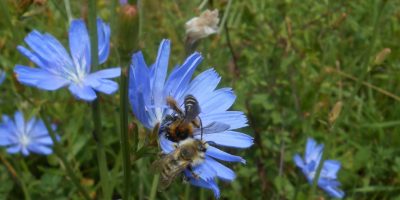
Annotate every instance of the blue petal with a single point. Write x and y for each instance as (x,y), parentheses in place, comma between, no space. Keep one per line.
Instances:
(221,155)
(107,73)
(40,149)
(24,151)
(50,51)
(39,130)
(179,78)
(4,136)
(14,149)
(166,145)
(101,85)
(103,32)
(223,172)
(29,126)
(43,140)
(205,171)
(161,67)
(82,92)
(209,184)
(229,139)
(334,192)
(235,119)
(19,121)
(299,161)
(32,57)
(218,101)
(39,78)
(203,85)
(330,169)
(139,90)
(313,151)
(2,77)
(141,78)
(79,43)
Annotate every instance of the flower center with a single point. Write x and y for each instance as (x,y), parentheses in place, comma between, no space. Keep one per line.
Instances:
(24,140)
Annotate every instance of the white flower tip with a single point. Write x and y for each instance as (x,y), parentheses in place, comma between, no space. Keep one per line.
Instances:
(202,26)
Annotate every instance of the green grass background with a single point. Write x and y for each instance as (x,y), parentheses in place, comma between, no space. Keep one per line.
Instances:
(289,63)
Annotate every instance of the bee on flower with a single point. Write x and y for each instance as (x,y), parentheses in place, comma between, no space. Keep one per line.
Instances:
(150,94)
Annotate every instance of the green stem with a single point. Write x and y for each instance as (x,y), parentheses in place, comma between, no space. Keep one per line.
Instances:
(203,4)
(154,186)
(316,178)
(187,192)
(61,156)
(124,134)
(225,17)
(100,150)
(101,154)
(68,10)
(15,176)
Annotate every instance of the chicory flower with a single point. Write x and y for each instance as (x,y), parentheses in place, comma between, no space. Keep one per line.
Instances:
(149,87)
(57,68)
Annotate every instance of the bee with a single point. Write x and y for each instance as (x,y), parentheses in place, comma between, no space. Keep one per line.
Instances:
(181,127)
(181,124)
(187,154)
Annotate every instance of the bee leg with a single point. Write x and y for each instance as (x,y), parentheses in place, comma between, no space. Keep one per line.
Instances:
(196,176)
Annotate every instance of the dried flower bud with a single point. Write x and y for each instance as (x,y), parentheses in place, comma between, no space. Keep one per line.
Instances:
(202,26)
(381,56)
(335,112)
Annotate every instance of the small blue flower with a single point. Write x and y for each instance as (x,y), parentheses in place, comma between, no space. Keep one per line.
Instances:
(17,135)
(2,76)
(149,88)
(58,69)
(327,178)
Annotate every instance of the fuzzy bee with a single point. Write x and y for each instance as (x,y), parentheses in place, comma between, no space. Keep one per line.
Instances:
(180,128)
(187,154)
(182,124)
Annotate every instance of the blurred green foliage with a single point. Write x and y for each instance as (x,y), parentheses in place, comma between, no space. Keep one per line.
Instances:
(289,62)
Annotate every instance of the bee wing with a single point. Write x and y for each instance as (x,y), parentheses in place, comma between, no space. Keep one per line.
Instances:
(192,108)
(165,181)
(214,127)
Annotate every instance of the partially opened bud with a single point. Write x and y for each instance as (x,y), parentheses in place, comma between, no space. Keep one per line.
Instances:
(202,26)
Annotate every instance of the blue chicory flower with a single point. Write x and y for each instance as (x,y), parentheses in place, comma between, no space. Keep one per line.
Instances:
(149,88)
(18,135)
(2,76)
(58,69)
(327,178)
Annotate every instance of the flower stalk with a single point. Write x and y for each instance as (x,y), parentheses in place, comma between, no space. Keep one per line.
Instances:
(101,154)
(127,42)
(124,134)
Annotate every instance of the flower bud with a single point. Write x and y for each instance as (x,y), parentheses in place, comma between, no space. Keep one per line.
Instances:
(127,31)
(202,26)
